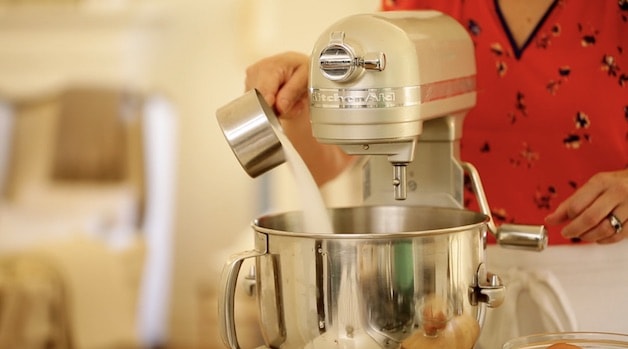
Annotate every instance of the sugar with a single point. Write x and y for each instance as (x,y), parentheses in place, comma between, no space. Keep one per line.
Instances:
(315,215)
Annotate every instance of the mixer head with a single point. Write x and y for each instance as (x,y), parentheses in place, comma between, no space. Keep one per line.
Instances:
(375,79)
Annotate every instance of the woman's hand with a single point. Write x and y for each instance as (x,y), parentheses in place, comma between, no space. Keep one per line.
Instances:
(282,79)
(588,212)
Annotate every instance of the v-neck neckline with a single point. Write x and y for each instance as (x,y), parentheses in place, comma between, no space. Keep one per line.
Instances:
(519,50)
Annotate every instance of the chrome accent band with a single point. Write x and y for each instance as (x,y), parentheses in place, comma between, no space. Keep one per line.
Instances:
(390,97)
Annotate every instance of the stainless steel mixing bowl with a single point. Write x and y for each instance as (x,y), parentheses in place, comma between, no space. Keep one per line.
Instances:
(367,284)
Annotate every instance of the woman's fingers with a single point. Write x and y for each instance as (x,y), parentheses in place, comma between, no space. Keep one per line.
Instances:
(281,79)
(587,211)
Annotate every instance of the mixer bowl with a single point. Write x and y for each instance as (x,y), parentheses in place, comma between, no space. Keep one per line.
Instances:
(370,284)
(587,340)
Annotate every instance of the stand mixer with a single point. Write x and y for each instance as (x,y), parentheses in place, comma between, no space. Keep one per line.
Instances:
(393,87)
(410,78)
(398,85)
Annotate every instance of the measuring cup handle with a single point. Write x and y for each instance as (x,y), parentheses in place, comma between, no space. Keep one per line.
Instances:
(226,300)
(525,237)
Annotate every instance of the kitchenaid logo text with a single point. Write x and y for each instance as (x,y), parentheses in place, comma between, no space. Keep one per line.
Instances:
(391,97)
(353,98)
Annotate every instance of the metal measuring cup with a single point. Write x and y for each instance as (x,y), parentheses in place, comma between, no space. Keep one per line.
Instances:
(250,126)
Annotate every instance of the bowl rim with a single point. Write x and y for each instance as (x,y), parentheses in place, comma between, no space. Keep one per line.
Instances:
(574,337)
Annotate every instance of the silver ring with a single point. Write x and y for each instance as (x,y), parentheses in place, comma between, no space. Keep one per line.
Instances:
(615,223)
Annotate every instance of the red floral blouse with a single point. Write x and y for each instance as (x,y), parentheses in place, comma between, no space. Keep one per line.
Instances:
(550,114)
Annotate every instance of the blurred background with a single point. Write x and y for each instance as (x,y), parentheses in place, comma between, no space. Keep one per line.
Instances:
(120,200)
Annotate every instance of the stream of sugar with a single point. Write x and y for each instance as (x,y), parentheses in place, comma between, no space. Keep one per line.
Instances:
(315,216)
(316,220)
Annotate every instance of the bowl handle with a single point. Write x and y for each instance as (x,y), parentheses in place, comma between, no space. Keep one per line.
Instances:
(228,281)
